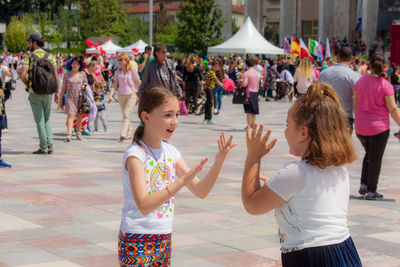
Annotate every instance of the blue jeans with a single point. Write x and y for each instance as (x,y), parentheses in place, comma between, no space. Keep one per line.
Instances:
(41,107)
(217,92)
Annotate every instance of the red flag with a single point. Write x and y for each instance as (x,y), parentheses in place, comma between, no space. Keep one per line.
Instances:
(135,50)
(102,52)
(304,51)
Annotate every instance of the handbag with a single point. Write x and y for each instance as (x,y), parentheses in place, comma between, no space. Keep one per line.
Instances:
(183,109)
(240,96)
(83,102)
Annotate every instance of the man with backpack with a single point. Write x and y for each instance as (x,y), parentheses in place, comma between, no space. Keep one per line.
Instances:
(39,74)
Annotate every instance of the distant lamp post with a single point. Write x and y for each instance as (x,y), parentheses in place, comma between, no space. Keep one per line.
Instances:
(151,22)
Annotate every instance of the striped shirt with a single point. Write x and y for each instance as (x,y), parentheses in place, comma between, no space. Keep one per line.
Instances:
(40,53)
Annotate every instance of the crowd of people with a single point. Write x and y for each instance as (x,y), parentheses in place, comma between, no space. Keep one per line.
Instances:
(331,99)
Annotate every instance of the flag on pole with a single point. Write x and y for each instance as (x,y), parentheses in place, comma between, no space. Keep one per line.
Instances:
(295,49)
(303,49)
(359,16)
(320,52)
(286,47)
(313,47)
(328,49)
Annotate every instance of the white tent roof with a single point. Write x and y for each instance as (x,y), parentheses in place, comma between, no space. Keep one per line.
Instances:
(139,45)
(108,46)
(246,41)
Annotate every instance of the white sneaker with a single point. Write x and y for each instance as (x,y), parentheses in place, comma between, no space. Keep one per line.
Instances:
(4,131)
(68,139)
(79,136)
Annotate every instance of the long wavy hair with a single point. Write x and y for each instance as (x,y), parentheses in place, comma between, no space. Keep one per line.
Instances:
(306,68)
(126,57)
(320,111)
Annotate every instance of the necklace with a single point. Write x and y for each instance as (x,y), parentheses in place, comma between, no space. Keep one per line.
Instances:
(165,175)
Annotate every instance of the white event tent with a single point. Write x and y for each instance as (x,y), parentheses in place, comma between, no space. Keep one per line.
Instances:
(109,47)
(139,45)
(246,41)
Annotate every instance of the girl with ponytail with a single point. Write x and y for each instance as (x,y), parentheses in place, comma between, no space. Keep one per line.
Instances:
(310,196)
(153,172)
(373,102)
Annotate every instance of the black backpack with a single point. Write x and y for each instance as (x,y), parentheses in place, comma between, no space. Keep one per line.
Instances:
(43,77)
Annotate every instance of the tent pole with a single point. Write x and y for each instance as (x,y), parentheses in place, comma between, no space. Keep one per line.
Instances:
(150,22)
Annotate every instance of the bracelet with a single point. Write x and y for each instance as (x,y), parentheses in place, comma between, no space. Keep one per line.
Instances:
(169,192)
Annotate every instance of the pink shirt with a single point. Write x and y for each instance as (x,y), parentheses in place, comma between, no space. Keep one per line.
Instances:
(98,73)
(253,81)
(127,81)
(372,116)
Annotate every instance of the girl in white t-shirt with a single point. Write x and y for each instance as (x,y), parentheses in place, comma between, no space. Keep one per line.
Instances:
(153,172)
(310,196)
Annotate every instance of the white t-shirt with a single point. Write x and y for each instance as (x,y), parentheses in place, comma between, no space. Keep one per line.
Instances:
(315,211)
(302,82)
(159,172)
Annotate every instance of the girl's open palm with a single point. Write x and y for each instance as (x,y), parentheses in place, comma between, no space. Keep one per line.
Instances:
(223,146)
(256,143)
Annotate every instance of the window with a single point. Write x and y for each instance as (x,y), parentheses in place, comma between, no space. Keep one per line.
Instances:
(310,29)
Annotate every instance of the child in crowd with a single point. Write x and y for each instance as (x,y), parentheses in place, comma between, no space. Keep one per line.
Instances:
(211,81)
(2,114)
(101,106)
(310,196)
(153,172)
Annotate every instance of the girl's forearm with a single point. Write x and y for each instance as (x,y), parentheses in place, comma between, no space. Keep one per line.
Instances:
(251,180)
(205,185)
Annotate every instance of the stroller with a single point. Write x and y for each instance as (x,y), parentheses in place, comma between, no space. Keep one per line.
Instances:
(283,90)
(201,101)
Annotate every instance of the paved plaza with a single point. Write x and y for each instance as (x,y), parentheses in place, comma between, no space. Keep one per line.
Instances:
(64,209)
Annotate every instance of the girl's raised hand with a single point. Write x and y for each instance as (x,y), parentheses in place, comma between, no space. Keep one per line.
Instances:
(224,147)
(187,177)
(256,143)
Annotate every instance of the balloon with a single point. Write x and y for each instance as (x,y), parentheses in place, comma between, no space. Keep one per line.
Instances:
(228,84)
(135,50)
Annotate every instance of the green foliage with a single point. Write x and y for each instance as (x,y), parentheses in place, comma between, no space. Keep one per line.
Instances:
(48,30)
(67,26)
(139,29)
(272,33)
(200,24)
(235,27)
(104,18)
(15,35)
(169,34)
(29,21)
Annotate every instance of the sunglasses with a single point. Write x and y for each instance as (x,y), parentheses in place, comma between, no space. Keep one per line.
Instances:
(120,59)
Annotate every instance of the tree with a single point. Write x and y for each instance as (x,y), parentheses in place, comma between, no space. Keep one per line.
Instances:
(15,35)
(235,27)
(139,29)
(104,18)
(29,20)
(67,26)
(168,35)
(271,33)
(200,26)
(11,8)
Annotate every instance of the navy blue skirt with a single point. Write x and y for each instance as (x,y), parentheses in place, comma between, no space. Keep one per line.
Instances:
(252,107)
(343,254)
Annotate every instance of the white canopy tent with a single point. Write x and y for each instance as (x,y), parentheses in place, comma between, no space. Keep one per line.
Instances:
(109,47)
(246,41)
(139,45)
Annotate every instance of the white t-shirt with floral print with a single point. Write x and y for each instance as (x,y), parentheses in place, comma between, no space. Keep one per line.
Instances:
(160,167)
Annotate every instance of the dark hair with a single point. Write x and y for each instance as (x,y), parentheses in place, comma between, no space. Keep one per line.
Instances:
(94,58)
(377,64)
(320,111)
(249,62)
(151,99)
(79,60)
(147,48)
(40,42)
(344,54)
(158,47)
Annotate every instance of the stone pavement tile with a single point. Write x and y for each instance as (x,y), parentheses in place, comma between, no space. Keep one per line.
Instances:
(88,232)
(98,261)
(14,247)
(204,250)
(257,230)
(393,237)
(51,264)
(182,259)
(378,246)
(240,259)
(271,253)
(112,246)
(27,234)
(10,223)
(249,243)
(386,263)
(373,258)
(218,235)
(179,239)
(28,257)
(56,242)
(79,251)
(112,225)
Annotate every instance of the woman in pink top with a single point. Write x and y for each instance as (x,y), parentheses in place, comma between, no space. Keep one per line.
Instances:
(97,74)
(373,102)
(127,81)
(251,80)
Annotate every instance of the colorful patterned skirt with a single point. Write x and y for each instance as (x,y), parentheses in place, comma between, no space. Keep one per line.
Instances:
(144,250)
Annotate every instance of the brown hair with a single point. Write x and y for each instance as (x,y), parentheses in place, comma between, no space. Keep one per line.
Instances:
(377,64)
(98,85)
(127,59)
(151,99)
(320,111)
(190,66)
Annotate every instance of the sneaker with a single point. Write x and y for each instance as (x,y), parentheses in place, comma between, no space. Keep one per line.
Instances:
(51,150)
(105,128)
(215,110)
(216,113)
(373,196)
(205,121)
(363,189)
(68,139)
(4,165)
(95,129)
(79,136)
(39,152)
(86,133)
(210,122)
(4,131)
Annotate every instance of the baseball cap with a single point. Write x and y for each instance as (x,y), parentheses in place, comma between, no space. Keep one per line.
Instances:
(35,37)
